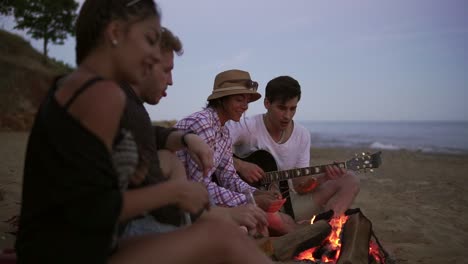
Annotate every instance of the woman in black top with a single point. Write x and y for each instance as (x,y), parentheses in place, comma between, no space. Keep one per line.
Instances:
(72,200)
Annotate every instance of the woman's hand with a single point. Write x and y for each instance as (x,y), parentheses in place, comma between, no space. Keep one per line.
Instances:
(200,152)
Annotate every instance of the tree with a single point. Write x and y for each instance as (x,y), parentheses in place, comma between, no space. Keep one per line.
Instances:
(50,20)
(6,7)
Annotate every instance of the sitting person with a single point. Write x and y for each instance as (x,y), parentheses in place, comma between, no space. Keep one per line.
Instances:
(233,90)
(158,146)
(289,143)
(73,198)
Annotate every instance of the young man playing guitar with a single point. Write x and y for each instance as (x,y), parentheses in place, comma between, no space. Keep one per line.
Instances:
(289,144)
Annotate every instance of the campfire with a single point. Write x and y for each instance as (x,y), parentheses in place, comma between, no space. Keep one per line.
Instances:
(349,241)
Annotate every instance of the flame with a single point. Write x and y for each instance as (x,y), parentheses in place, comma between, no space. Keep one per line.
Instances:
(333,243)
(312,220)
(333,240)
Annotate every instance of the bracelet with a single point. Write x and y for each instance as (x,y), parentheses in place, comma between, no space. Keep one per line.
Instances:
(182,139)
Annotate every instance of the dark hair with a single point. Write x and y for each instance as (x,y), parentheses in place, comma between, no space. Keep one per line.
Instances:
(282,88)
(216,103)
(95,15)
(170,42)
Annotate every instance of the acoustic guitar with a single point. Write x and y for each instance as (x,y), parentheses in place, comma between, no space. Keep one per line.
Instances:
(361,163)
(266,161)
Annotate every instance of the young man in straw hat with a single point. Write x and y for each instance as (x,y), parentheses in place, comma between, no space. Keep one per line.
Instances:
(233,90)
(289,144)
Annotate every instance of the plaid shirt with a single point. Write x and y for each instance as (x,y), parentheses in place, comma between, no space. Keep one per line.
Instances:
(228,191)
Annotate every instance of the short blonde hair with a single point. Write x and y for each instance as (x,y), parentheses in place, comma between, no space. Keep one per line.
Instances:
(170,42)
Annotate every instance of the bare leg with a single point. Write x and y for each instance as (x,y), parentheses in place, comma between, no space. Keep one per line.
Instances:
(206,241)
(171,166)
(337,195)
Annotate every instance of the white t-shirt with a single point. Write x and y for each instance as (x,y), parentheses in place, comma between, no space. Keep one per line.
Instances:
(250,134)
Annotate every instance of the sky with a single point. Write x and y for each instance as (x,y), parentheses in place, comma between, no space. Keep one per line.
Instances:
(355,60)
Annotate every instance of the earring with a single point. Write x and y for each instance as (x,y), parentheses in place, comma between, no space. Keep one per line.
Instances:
(114,42)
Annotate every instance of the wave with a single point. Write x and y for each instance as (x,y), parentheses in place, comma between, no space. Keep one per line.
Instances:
(378,145)
(428,137)
(424,149)
(340,143)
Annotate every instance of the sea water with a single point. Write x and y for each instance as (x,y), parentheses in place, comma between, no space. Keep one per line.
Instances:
(426,136)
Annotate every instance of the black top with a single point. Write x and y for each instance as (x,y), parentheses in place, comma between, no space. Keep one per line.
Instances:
(149,139)
(71,199)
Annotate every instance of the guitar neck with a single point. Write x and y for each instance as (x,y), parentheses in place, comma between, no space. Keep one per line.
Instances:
(275,176)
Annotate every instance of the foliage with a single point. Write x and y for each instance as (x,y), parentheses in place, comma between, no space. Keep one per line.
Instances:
(6,7)
(50,20)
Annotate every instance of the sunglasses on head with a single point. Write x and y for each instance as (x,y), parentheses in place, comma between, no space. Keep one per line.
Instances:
(130,3)
(249,84)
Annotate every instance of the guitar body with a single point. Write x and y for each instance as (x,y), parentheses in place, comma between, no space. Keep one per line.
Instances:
(264,160)
(267,162)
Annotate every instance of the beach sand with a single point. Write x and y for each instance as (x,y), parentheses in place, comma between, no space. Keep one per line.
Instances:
(417,202)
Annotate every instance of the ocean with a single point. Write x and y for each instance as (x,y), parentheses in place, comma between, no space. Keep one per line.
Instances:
(449,137)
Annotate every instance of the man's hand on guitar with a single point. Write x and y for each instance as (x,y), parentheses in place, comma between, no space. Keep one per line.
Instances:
(249,172)
(333,172)
(269,201)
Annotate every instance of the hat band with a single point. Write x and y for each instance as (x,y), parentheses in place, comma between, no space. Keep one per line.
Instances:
(231,89)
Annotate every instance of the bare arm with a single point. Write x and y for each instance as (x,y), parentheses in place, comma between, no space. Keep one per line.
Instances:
(198,149)
(102,119)
(249,172)
(174,140)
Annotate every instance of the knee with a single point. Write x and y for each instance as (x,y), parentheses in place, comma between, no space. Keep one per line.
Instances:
(220,230)
(169,163)
(353,182)
(166,156)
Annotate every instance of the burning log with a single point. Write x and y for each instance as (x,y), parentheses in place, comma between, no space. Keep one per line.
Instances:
(355,240)
(286,247)
(350,242)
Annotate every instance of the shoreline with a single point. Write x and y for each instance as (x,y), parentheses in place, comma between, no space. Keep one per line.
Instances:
(416,201)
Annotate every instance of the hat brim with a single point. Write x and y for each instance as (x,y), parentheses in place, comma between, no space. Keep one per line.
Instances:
(255,95)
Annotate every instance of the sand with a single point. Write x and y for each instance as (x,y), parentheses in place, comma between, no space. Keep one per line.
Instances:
(416,201)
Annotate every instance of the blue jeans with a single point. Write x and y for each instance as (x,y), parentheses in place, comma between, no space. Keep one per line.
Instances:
(146,225)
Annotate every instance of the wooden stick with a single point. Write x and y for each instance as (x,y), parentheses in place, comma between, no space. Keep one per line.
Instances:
(288,246)
(355,240)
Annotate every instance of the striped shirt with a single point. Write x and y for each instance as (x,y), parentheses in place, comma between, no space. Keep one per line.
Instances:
(228,188)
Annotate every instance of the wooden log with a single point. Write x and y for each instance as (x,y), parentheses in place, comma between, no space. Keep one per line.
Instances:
(288,246)
(355,240)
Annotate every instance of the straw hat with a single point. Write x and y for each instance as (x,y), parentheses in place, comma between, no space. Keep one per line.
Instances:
(234,82)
